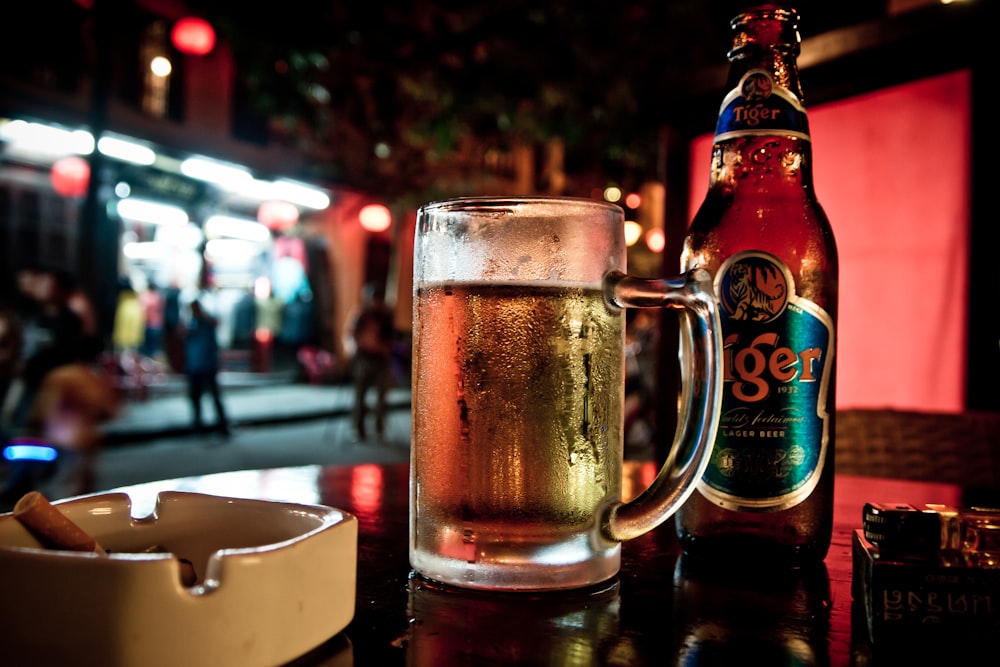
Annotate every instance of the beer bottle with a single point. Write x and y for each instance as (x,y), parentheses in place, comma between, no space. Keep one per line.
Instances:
(760,231)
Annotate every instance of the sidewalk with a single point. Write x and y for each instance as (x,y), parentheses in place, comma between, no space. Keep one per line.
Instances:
(277,423)
(250,400)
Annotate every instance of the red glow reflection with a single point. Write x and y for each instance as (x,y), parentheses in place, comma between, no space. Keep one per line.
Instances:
(366,488)
(636,477)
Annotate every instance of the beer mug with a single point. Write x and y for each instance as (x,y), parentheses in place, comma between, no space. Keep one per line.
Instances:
(518,393)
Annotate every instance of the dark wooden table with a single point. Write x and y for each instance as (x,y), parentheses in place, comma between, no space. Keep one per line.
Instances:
(659,612)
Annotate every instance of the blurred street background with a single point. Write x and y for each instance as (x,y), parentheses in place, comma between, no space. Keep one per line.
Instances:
(269,164)
(275,422)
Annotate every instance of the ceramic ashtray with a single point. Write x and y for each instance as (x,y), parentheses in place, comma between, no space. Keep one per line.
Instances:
(202,580)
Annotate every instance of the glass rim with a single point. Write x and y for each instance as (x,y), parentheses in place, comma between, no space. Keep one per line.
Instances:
(494,202)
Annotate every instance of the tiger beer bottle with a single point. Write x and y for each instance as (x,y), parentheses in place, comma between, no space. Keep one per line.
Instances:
(768,491)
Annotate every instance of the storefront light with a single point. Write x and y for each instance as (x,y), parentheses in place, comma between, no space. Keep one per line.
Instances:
(126,150)
(150,212)
(224,174)
(292,192)
(42,140)
(187,237)
(230,250)
(219,226)
(143,250)
(299,193)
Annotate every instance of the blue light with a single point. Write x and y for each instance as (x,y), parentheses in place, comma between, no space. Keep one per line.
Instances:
(29,453)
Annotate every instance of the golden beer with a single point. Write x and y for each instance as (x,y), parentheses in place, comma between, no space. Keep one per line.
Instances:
(517,427)
(518,393)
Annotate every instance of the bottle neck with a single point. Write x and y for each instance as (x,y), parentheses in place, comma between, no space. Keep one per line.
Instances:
(780,62)
(775,166)
(762,135)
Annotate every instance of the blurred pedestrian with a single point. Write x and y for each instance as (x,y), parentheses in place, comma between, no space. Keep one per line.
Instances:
(130,325)
(268,316)
(52,333)
(371,337)
(201,365)
(173,345)
(81,304)
(244,320)
(153,310)
(74,400)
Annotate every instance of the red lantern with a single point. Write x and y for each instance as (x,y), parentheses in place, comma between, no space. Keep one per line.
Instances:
(375,218)
(193,36)
(277,215)
(70,176)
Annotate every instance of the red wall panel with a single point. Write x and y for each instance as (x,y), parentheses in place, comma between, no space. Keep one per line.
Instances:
(892,170)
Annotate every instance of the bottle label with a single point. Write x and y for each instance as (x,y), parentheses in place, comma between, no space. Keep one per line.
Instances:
(777,358)
(759,106)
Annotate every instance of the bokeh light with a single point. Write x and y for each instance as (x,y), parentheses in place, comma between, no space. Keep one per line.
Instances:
(70,176)
(656,240)
(160,66)
(375,218)
(193,36)
(633,230)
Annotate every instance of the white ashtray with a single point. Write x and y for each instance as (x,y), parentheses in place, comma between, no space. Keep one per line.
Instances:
(274,581)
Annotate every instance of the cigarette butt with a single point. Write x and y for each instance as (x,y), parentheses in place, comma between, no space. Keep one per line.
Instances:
(51,527)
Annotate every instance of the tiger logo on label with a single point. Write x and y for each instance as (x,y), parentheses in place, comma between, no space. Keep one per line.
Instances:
(754,288)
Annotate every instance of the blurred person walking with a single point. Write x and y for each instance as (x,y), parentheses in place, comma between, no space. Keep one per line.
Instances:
(173,344)
(153,311)
(127,335)
(74,400)
(269,319)
(371,336)
(130,323)
(201,365)
(51,337)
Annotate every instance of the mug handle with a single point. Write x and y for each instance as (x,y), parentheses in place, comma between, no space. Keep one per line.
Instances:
(701,394)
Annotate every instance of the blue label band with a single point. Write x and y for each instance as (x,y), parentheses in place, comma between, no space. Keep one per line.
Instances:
(758,106)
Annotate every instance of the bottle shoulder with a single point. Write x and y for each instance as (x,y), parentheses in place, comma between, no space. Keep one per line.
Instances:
(798,235)
(761,218)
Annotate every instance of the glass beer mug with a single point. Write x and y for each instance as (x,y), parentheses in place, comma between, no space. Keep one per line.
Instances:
(518,390)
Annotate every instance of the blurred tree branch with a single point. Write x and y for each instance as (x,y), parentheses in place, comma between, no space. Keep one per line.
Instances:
(420,98)
(429,98)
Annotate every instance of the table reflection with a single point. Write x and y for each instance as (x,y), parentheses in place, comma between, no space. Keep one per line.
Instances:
(450,626)
(724,614)
(661,610)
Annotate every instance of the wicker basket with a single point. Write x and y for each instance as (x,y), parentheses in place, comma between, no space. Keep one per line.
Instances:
(959,448)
